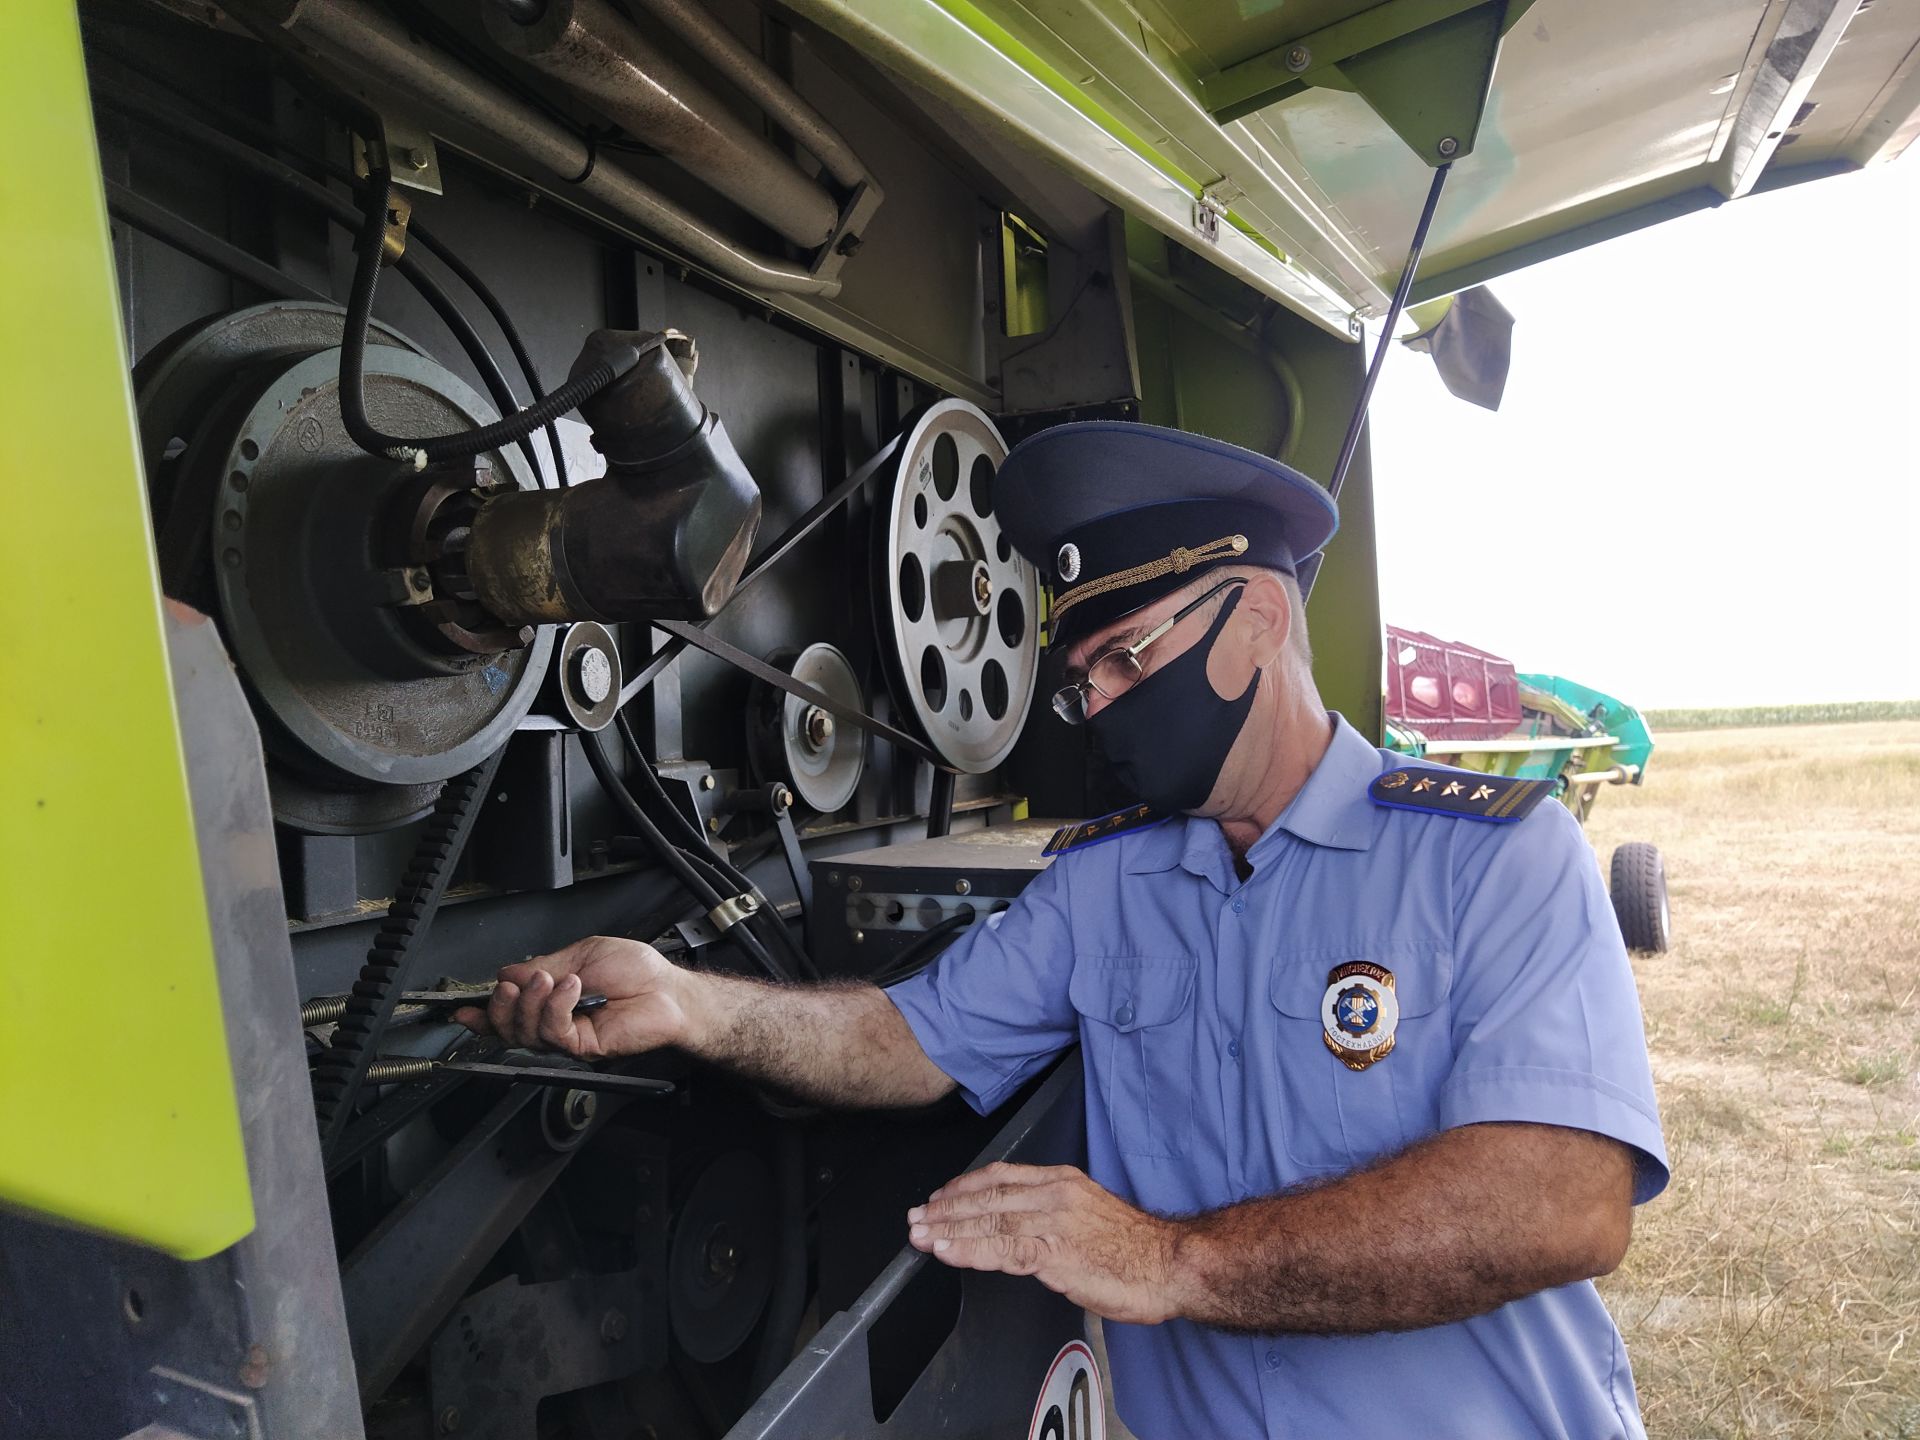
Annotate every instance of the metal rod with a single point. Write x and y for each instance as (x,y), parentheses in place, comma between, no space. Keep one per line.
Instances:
(757,80)
(368,53)
(163,225)
(1309,570)
(1355,425)
(1618,775)
(598,55)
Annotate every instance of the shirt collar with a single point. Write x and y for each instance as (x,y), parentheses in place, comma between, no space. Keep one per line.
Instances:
(1331,809)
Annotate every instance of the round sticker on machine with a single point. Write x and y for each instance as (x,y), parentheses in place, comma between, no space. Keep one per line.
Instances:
(1071,1405)
(1359,1013)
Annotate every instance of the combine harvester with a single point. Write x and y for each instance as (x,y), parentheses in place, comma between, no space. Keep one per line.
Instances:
(486,472)
(1464,706)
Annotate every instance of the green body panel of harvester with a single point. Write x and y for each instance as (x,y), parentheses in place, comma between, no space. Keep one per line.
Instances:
(1568,732)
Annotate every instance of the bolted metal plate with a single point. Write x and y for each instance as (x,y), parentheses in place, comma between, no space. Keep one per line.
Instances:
(963,619)
(293,574)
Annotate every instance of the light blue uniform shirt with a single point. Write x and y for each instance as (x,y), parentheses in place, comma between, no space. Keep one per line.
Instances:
(1196,999)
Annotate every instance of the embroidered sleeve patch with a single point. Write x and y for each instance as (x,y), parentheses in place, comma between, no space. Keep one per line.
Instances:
(1458,792)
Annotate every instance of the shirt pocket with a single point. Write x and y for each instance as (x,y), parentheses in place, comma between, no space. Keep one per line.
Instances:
(1336,1118)
(1136,1025)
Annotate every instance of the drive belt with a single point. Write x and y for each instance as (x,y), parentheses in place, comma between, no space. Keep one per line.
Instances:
(341,1069)
(760,670)
(763,562)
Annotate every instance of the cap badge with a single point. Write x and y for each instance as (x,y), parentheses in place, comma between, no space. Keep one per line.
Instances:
(1359,1013)
(1067,562)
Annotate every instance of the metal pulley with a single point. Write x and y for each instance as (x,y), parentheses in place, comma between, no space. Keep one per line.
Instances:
(960,628)
(819,757)
(336,578)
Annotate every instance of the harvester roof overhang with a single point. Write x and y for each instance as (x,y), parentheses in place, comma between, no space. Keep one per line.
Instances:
(1306,131)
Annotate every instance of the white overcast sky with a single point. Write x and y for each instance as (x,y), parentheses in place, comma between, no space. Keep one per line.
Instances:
(1701,487)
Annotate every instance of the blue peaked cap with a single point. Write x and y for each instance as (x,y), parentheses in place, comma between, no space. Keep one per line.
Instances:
(1116,514)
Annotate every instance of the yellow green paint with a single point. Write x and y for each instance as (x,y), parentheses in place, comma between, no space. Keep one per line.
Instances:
(117,1107)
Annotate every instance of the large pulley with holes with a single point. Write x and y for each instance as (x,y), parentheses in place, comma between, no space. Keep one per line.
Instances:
(337,577)
(959,627)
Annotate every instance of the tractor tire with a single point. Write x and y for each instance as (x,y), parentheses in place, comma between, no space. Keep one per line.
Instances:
(1638,884)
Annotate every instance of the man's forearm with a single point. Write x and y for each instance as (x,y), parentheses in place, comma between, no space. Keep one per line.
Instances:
(842,1043)
(1452,1228)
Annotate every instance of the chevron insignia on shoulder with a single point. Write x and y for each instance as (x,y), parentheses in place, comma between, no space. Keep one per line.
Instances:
(1464,793)
(1108,827)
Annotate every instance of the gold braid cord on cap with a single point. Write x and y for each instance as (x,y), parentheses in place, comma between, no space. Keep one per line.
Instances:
(1178,562)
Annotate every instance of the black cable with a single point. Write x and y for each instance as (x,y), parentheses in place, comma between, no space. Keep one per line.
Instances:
(696,844)
(669,854)
(922,952)
(353,355)
(279,173)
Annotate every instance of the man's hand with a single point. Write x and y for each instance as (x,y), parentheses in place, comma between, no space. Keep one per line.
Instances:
(533,1002)
(1053,1223)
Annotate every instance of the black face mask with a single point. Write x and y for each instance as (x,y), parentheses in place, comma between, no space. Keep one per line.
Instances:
(1168,736)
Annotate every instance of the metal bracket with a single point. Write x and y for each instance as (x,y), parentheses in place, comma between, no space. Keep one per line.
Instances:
(845,240)
(1423,65)
(410,154)
(730,912)
(1208,208)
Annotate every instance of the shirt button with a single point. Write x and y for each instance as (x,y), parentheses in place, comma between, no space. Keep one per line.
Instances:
(1124,1015)
(1238,904)
(1273,1359)
(1233,1048)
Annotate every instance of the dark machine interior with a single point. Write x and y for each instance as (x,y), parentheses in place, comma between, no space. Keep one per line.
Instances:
(457,653)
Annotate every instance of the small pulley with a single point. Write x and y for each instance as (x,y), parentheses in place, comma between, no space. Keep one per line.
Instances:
(820,758)
(960,626)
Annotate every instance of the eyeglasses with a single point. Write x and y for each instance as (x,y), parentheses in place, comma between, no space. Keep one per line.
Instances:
(1112,673)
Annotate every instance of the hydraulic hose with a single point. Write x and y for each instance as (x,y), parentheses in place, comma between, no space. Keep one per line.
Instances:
(285,177)
(353,354)
(253,157)
(922,952)
(669,854)
(696,844)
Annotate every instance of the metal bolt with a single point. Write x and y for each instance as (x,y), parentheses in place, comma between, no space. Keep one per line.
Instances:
(823,1176)
(449,1420)
(613,1327)
(1448,147)
(833,877)
(576,1109)
(817,726)
(782,798)
(1299,58)
(419,159)
(706,782)
(858,936)
(713,824)
(592,674)
(854,882)
(963,887)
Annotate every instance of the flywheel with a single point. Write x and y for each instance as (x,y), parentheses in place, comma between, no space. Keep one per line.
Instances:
(960,630)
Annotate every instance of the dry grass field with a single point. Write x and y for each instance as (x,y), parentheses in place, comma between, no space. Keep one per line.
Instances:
(1774,1289)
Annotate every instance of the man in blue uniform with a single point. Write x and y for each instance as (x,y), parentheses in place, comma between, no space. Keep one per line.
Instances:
(1368,1095)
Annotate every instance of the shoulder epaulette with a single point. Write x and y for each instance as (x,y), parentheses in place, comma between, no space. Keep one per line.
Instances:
(1464,793)
(1108,827)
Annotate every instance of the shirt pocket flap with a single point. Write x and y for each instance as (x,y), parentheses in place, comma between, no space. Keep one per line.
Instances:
(1422,973)
(1130,992)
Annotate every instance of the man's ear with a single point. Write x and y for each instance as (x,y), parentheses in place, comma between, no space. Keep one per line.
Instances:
(1264,609)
